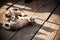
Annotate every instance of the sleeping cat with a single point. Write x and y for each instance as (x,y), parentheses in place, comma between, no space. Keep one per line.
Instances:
(14,21)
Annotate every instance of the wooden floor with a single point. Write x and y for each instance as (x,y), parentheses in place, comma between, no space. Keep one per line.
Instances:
(47,22)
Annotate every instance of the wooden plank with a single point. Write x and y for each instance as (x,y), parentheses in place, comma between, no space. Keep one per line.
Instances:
(5,6)
(57,21)
(31,9)
(55,18)
(49,29)
(47,32)
(5,35)
(57,36)
(46,9)
(19,4)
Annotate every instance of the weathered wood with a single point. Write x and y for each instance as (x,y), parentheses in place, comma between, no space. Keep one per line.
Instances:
(46,9)
(57,35)
(33,7)
(49,29)
(5,35)
(6,5)
(47,32)
(55,18)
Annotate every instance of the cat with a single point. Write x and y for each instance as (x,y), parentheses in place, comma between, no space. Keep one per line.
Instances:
(16,23)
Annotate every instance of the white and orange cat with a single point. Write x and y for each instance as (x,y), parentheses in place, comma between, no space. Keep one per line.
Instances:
(12,19)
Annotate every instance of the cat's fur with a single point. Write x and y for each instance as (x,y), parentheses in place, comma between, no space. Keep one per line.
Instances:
(14,24)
